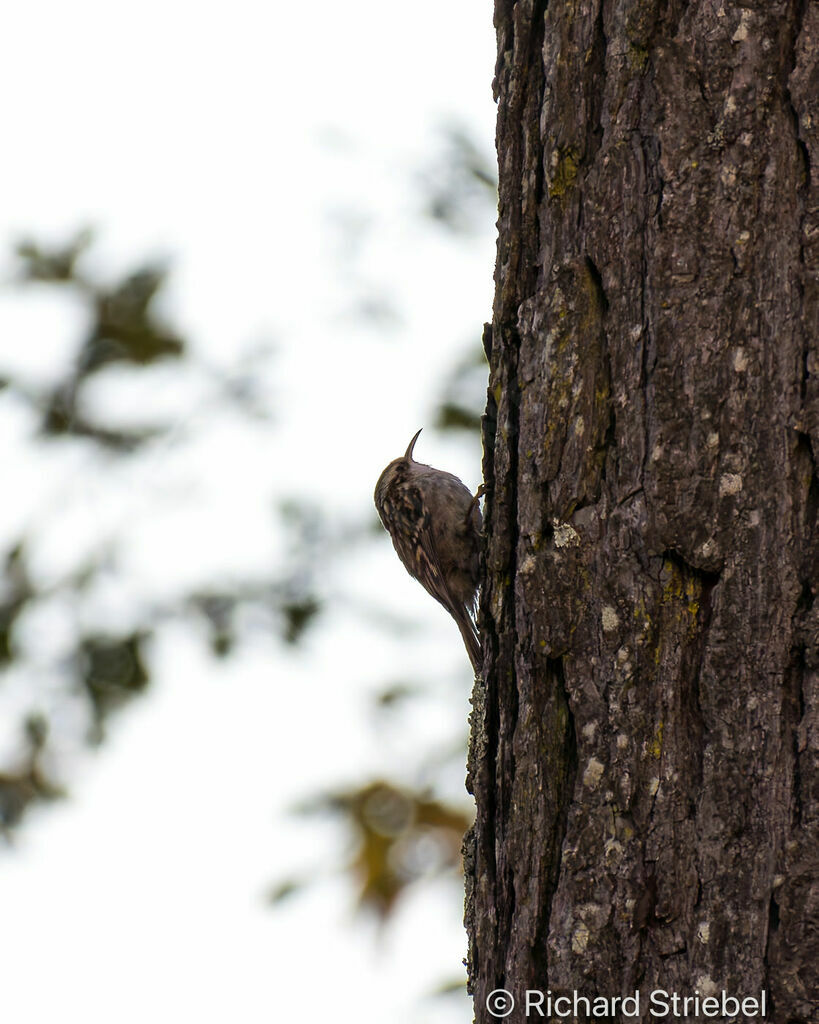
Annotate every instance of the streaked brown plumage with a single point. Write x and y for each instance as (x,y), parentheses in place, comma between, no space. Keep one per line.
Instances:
(435,526)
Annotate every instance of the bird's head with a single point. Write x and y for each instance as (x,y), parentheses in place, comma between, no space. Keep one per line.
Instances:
(394,471)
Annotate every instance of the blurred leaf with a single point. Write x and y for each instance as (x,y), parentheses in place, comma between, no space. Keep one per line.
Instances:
(36,731)
(218,610)
(112,671)
(57,264)
(15,593)
(288,603)
(298,614)
(29,784)
(455,417)
(396,694)
(284,890)
(18,791)
(399,835)
(308,537)
(126,328)
(464,394)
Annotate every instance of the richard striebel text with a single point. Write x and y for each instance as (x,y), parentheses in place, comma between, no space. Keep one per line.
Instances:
(659,1003)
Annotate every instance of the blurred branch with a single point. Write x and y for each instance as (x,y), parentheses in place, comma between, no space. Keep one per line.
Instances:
(124,328)
(461,187)
(463,396)
(398,834)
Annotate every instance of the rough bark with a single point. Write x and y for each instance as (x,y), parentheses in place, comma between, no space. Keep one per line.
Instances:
(645,744)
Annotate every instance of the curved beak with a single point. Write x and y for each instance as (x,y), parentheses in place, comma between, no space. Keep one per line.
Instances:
(408,454)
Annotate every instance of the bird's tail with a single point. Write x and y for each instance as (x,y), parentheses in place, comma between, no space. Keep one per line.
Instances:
(469,632)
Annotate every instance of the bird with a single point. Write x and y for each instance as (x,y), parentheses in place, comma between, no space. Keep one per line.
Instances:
(435,525)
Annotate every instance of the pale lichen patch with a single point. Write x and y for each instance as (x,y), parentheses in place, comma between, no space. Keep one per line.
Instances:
(705,985)
(741,33)
(564,534)
(610,619)
(580,938)
(528,565)
(594,914)
(593,773)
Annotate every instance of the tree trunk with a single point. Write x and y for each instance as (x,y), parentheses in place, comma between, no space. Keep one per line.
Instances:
(645,744)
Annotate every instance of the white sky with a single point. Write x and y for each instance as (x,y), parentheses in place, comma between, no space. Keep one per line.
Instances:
(228,138)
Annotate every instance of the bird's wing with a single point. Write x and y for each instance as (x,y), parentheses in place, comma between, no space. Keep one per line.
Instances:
(414,540)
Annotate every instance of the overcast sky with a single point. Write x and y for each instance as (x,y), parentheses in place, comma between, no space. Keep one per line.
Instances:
(271,152)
